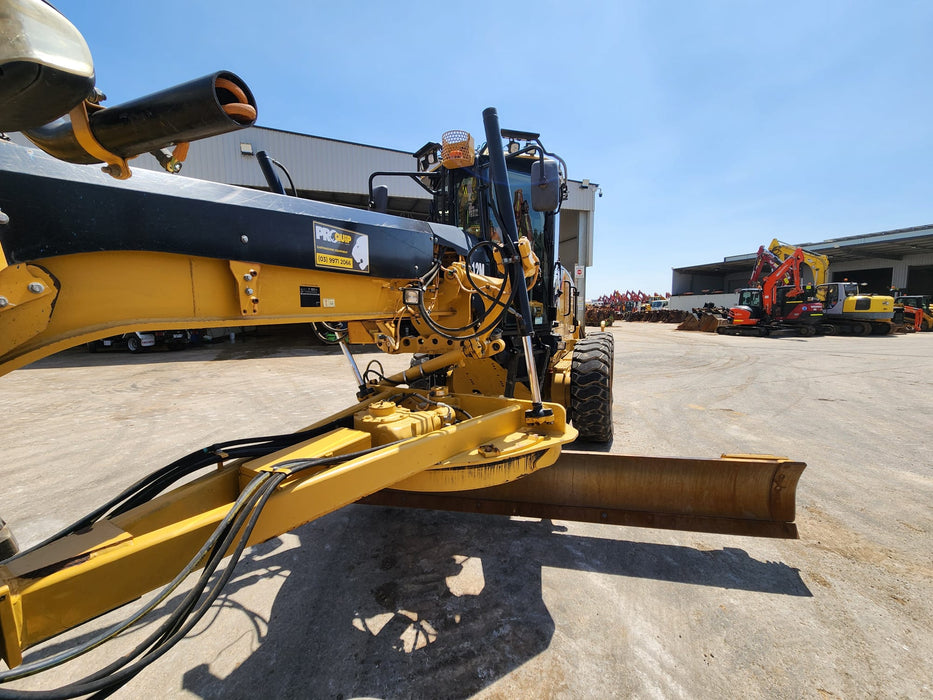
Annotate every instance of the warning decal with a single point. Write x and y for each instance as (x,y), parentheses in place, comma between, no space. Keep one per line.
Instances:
(341,249)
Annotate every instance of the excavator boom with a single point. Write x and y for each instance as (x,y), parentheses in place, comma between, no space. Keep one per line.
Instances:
(817,263)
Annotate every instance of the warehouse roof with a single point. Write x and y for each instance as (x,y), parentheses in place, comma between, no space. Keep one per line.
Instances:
(893,245)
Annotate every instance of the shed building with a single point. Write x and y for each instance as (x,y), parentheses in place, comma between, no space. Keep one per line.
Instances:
(901,259)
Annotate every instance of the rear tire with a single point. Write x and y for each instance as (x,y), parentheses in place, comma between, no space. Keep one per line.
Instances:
(133,344)
(591,388)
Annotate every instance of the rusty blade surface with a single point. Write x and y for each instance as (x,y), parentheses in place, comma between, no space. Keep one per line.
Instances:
(735,494)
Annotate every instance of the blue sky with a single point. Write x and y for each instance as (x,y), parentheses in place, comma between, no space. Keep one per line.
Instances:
(711,126)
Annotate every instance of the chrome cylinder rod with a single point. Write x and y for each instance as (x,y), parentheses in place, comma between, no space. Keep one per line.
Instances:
(353,365)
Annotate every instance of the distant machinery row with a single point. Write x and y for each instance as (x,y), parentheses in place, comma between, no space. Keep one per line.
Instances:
(900,260)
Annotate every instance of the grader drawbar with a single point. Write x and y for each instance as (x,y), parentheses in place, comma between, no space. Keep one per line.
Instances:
(503,377)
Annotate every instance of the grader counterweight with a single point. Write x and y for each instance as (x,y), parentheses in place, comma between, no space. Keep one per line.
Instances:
(508,378)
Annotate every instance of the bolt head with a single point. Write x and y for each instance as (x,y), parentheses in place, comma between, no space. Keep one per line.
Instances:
(36,287)
(244,239)
(4,302)
(247,277)
(249,290)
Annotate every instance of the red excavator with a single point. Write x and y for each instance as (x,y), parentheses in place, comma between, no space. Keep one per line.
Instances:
(778,301)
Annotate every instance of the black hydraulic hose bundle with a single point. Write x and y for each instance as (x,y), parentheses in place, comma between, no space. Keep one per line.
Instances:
(240,519)
(255,494)
(159,480)
(476,326)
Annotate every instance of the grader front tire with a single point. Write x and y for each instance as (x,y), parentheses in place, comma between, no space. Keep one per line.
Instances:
(591,388)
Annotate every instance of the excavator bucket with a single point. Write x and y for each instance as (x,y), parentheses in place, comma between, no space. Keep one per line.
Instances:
(736,494)
(691,323)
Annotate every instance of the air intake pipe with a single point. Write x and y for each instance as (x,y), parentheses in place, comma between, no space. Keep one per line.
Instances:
(208,106)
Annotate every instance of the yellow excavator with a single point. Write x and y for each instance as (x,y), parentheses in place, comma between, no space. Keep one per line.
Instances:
(846,309)
(503,377)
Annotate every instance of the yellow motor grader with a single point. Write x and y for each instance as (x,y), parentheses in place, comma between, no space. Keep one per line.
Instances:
(503,377)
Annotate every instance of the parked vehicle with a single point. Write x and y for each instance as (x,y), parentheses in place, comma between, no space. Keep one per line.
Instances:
(134,342)
(773,306)
(846,309)
(918,310)
(174,340)
(141,340)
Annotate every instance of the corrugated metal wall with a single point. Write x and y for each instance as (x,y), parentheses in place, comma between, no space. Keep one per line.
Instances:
(900,270)
(314,163)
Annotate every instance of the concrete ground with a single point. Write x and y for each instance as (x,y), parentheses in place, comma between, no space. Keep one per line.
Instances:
(375,602)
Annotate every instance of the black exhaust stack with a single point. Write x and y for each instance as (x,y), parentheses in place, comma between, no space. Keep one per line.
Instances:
(499,177)
(208,106)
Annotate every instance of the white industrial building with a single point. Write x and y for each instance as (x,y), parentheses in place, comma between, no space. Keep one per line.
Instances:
(901,259)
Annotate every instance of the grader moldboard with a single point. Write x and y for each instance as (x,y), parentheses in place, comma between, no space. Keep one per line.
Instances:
(505,378)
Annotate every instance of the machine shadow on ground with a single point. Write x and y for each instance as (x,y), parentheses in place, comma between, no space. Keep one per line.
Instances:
(385,589)
(385,602)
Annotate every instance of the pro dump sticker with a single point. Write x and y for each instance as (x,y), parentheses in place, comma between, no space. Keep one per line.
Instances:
(340,249)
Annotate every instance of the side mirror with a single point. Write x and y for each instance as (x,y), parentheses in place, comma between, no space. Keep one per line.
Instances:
(45,64)
(545,185)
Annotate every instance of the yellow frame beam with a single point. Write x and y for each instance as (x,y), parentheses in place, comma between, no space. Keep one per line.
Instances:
(88,296)
(74,579)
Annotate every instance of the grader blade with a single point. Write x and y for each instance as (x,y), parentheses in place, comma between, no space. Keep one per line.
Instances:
(735,494)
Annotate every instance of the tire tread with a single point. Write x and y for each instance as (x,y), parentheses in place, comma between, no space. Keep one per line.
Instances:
(591,372)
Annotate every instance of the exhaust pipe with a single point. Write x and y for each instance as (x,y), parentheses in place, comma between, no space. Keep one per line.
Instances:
(208,106)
